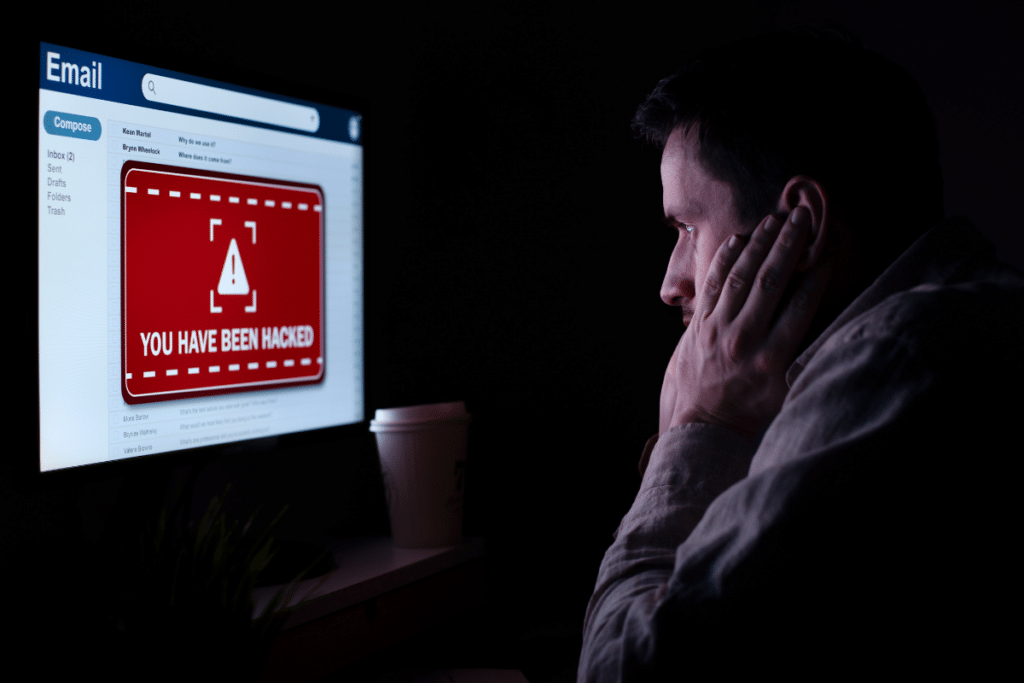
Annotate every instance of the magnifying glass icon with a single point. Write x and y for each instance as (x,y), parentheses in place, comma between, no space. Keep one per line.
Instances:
(151,88)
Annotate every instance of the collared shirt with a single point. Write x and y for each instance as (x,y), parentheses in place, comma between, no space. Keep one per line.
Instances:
(873,508)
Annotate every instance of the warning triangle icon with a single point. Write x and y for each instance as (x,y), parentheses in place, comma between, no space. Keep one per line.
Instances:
(232,275)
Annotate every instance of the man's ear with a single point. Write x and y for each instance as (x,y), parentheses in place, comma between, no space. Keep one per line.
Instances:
(805,191)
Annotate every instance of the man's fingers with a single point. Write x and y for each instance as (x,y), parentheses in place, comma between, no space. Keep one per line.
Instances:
(739,282)
(776,268)
(719,271)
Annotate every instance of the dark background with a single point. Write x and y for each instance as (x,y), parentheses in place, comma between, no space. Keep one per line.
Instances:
(515,256)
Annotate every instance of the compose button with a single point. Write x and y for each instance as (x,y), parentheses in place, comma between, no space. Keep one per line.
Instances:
(72,125)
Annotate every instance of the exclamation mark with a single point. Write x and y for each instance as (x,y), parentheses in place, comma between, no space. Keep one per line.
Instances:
(232,269)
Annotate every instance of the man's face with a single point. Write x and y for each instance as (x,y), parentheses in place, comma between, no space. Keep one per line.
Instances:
(702,210)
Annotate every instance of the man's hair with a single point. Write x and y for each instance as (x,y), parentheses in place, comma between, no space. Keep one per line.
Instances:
(810,102)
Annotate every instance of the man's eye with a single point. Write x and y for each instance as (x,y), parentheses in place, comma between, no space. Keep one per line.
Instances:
(679,225)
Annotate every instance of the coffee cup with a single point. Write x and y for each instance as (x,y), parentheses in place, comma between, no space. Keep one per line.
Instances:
(423,457)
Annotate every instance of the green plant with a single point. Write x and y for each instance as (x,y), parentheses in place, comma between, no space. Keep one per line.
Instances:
(193,598)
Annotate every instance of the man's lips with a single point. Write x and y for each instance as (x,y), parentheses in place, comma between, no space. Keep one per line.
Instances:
(687,317)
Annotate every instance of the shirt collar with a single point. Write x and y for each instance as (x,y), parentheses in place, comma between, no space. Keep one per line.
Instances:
(932,259)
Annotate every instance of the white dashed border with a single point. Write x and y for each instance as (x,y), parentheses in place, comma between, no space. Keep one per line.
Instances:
(213,369)
(251,365)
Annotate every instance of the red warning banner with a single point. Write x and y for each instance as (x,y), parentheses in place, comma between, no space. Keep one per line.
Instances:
(221,283)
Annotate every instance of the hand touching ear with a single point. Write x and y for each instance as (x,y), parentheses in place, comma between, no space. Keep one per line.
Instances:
(729,366)
(805,191)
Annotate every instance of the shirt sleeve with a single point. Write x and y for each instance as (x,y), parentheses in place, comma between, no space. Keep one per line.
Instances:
(687,468)
(876,506)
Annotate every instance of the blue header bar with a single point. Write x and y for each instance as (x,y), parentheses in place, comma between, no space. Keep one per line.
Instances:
(87,74)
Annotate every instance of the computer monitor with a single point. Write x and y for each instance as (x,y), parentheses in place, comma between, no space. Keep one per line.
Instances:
(200,262)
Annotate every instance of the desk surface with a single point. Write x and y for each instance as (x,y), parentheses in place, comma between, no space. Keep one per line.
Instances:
(365,568)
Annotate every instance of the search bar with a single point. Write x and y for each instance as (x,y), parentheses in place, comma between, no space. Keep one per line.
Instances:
(229,103)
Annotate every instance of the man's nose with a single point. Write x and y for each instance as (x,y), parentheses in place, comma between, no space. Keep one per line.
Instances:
(678,287)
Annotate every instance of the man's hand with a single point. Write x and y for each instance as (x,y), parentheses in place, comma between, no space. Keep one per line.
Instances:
(729,366)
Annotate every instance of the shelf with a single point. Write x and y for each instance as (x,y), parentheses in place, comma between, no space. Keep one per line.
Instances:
(365,568)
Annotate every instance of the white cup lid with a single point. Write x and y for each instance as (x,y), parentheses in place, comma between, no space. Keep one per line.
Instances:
(423,413)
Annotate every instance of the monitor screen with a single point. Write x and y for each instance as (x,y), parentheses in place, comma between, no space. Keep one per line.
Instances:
(200,265)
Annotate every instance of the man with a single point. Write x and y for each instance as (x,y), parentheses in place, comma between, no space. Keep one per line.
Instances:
(830,481)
